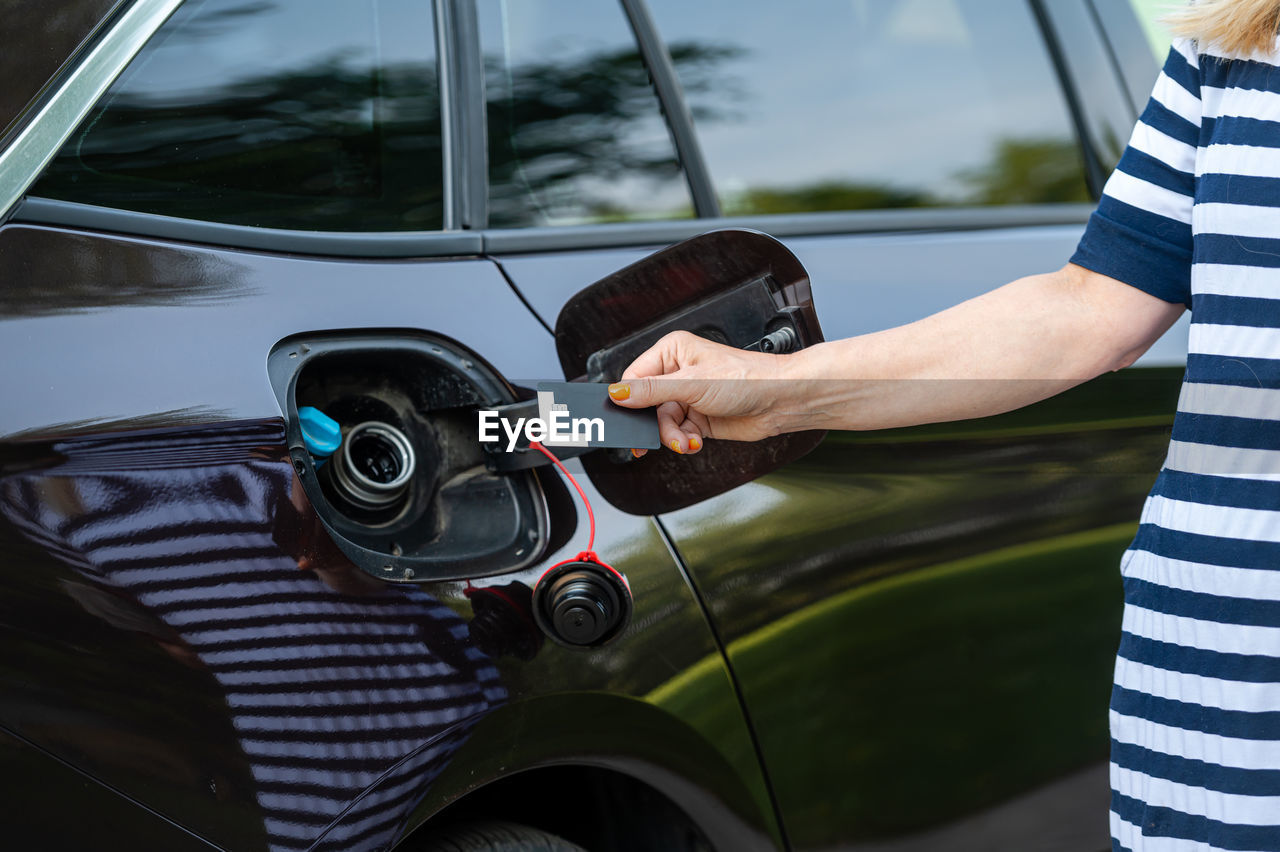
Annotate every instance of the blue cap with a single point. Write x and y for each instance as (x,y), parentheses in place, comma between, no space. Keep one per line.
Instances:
(320,432)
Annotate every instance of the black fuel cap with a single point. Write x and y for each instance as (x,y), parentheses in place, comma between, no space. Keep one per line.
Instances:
(582,604)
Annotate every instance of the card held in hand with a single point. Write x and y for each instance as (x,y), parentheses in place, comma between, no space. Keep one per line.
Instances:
(589,401)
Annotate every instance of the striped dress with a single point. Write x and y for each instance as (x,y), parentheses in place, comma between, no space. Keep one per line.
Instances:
(1192,215)
(346,705)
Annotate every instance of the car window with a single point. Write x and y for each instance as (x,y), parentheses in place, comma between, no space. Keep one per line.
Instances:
(53,33)
(576,134)
(860,104)
(305,114)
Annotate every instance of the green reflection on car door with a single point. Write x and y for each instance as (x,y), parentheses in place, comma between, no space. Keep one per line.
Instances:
(923,621)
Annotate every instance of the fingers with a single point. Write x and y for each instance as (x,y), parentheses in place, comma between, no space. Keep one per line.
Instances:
(657,390)
(643,392)
(678,433)
(660,379)
(670,416)
(693,431)
(669,354)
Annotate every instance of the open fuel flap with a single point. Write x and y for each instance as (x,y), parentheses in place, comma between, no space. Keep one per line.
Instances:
(381,427)
(737,287)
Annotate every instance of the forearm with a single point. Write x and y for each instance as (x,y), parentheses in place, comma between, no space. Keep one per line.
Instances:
(1008,348)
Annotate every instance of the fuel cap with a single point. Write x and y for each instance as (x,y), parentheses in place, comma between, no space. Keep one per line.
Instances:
(581,603)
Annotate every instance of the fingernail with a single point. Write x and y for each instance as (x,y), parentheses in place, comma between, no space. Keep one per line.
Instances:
(675,445)
(619,390)
(636,453)
(695,444)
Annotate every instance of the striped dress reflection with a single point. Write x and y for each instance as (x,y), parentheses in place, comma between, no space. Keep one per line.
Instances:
(328,691)
(1193,215)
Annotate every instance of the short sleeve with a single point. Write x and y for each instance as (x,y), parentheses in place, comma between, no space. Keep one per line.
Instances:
(1140,232)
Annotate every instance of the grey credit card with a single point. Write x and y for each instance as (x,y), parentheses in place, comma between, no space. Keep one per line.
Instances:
(599,422)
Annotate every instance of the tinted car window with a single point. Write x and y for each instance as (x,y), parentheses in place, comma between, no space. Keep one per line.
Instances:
(276,113)
(874,103)
(57,28)
(576,134)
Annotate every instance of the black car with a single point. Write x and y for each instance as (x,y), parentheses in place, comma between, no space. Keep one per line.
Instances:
(236,231)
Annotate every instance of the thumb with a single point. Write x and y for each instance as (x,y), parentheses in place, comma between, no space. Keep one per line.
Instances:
(654,390)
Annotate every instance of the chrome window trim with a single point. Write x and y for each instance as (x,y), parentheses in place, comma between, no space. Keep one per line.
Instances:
(48,130)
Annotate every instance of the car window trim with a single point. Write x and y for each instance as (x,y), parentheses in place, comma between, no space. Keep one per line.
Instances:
(1095,173)
(131,223)
(462,121)
(675,109)
(418,244)
(469,141)
(1121,32)
(35,145)
(834,224)
(1117,67)
(440,13)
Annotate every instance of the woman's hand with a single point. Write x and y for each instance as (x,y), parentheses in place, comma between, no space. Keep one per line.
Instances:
(1016,345)
(703,390)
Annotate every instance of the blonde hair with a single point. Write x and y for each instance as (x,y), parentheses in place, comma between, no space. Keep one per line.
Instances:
(1232,26)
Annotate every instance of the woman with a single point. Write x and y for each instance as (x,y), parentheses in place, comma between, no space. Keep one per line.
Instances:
(1191,218)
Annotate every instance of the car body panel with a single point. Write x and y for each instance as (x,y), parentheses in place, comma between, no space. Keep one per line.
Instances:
(918,623)
(923,622)
(123,670)
(893,589)
(48,784)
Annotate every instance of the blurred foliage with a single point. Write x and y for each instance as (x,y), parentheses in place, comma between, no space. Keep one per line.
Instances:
(338,144)
(296,149)
(1021,171)
(823,195)
(561,133)
(935,693)
(1029,171)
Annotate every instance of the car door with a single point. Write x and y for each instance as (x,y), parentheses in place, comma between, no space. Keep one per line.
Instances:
(260,215)
(922,622)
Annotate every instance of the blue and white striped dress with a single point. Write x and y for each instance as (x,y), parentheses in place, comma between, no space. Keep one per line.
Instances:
(1192,215)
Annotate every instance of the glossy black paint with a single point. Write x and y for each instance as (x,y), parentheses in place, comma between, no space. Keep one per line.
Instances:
(920,623)
(48,784)
(137,700)
(923,622)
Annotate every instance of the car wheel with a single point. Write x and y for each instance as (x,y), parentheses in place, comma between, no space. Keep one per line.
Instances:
(494,837)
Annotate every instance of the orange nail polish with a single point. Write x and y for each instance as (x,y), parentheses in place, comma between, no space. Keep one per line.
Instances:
(618,390)
(636,453)
(695,444)
(675,445)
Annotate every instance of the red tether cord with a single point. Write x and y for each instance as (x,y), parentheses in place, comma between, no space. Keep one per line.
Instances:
(591,516)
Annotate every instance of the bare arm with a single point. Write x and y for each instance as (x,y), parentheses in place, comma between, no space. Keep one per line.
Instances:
(1016,345)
